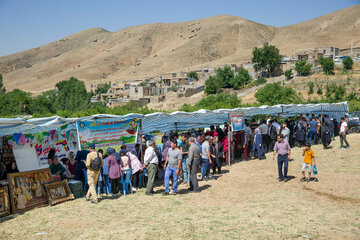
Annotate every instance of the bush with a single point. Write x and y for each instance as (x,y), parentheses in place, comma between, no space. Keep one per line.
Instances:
(193,75)
(319,89)
(225,76)
(261,80)
(212,102)
(213,85)
(288,74)
(348,63)
(311,87)
(241,79)
(303,68)
(143,84)
(327,65)
(274,93)
(174,88)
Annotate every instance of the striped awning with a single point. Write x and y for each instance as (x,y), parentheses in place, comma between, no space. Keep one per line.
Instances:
(176,121)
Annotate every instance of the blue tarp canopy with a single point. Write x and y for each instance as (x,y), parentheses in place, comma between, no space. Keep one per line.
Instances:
(176,121)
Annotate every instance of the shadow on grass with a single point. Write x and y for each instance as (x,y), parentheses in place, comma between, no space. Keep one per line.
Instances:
(7,218)
(187,191)
(290,178)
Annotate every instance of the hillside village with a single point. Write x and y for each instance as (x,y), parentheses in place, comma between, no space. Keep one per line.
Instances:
(169,87)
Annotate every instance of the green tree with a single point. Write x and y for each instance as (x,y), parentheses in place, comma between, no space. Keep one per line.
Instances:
(327,65)
(225,76)
(288,74)
(266,58)
(44,103)
(2,88)
(72,95)
(274,93)
(16,102)
(303,68)
(193,75)
(241,79)
(213,85)
(311,87)
(103,89)
(348,63)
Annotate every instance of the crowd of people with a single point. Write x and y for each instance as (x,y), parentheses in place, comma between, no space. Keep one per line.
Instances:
(180,157)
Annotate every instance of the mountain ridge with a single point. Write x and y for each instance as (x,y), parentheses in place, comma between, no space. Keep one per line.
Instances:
(96,54)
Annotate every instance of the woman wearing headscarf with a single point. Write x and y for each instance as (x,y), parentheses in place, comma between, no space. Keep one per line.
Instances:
(325,135)
(80,165)
(136,169)
(114,172)
(217,155)
(225,145)
(72,163)
(258,145)
(300,132)
(164,153)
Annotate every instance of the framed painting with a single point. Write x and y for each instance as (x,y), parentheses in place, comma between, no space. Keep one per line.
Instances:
(26,189)
(4,201)
(58,192)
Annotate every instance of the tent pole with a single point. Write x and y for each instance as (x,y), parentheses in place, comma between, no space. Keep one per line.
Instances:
(141,141)
(78,135)
(229,142)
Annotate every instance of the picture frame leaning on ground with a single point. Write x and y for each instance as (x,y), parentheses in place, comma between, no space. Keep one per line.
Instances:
(26,189)
(4,201)
(58,192)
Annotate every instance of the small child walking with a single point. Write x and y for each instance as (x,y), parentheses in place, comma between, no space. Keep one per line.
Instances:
(309,160)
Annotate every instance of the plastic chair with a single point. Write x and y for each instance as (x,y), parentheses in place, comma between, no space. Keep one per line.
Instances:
(86,182)
(127,181)
(141,176)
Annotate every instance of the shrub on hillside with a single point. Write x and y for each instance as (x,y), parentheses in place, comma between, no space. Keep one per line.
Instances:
(288,74)
(274,93)
(311,87)
(327,65)
(348,63)
(261,80)
(303,68)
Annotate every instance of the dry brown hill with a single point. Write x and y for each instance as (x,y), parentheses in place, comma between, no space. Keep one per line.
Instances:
(96,55)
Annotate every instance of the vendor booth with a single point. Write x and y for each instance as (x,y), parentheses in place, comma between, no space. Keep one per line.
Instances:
(28,142)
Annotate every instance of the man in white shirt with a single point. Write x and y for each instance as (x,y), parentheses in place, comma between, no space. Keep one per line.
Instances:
(277,126)
(268,120)
(285,131)
(343,130)
(151,164)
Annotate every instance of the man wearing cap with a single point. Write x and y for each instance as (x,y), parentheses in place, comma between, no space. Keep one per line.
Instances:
(151,162)
(91,173)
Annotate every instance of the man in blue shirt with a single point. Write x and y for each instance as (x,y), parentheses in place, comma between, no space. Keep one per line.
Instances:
(313,124)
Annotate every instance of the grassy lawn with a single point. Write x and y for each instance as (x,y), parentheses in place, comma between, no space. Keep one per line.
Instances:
(246,202)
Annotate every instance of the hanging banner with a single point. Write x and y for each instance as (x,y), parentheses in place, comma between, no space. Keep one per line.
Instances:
(42,151)
(237,121)
(107,132)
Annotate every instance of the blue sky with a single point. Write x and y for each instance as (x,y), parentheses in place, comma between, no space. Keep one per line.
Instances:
(26,24)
